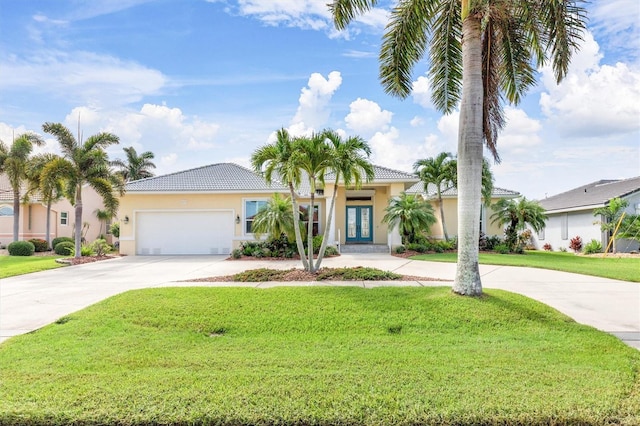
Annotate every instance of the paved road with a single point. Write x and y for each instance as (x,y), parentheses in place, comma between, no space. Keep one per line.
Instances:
(31,301)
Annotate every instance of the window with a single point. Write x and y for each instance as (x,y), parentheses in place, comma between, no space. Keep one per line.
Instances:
(64,218)
(564,226)
(6,211)
(304,217)
(482,223)
(251,208)
(541,234)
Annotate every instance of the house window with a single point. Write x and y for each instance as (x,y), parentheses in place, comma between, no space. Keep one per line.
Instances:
(541,234)
(6,211)
(304,217)
(29,218)
(482,223)
(564,226)
(251,208)
(64,218)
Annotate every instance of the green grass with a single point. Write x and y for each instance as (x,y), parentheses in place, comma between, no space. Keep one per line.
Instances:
(626,269)
(18,265)
(317,356)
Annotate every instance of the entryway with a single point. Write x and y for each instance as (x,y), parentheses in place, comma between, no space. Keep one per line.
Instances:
(359,225)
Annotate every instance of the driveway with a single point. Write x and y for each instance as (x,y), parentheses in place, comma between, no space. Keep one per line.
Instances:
(31,301)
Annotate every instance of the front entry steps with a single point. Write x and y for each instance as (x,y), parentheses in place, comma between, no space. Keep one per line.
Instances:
(364,248)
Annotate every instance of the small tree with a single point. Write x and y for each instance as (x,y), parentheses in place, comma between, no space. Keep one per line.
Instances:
(411,214)
(516,214)
(630,228)
(610,216)
(275,219)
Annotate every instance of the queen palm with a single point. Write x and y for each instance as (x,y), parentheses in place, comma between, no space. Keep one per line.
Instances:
(517,214)
(411,214)
(84,163)
(440,172)
(135,166)
(15,162)
(480,52)
(50,189)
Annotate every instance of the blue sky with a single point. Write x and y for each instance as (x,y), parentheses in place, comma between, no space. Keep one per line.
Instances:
(200,82)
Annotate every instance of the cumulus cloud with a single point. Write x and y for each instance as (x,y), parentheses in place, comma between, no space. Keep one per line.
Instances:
(366,117)
(421,92)
(521,132)
(313,111)
(594,99)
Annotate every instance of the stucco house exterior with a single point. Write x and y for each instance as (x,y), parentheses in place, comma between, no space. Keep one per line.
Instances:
(450,206)
(209,210)
(33,216)
(571,213)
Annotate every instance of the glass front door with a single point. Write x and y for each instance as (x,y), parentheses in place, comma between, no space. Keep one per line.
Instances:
(359,224)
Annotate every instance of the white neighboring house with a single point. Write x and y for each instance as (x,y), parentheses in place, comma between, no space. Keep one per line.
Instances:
(571,213)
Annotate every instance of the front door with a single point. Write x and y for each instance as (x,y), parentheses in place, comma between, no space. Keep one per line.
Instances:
(359,224)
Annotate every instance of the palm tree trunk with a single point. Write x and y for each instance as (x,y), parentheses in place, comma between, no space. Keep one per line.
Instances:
(325,235)
(78,212)
(444,227)
(16,215)
(47,237)
(296,227)
(467,280)
(310,211)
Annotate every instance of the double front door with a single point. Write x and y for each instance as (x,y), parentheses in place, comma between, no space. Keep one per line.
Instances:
(359,224)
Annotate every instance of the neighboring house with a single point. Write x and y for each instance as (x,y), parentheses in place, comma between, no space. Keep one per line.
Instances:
(450,205)
(33,216)
(571,213)
(209,210)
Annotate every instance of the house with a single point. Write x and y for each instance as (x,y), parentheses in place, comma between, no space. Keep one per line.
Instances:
(571,213)
(450,207)
(33,215)
(209,210)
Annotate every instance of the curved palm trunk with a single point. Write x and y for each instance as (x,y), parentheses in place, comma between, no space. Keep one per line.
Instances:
(296,227)
(444,227)
(467,280)
(16,215)
(47,237)
(325,234)
(78,213)
(310,212)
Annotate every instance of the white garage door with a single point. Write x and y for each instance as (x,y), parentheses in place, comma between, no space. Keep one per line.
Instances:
(201,232)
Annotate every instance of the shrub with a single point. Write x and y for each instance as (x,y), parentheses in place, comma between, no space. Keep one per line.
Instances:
(525,239)
(563,249)
(58,240)
(40,244)
(493,241)
(64,248)
(547,247)
(592,247)
(317,243)
(501,248)
(21,248)
(358,273)
(576,244)
(236,254)
(259,275)
(115,229)
(330,251)
(100,247)
(400,249)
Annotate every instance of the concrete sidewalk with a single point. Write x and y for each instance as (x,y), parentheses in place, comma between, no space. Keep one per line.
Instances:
(31,301)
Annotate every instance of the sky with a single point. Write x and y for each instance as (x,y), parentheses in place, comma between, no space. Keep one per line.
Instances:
(199,82)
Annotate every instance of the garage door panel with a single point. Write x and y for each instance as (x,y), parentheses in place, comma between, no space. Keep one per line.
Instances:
(165,233)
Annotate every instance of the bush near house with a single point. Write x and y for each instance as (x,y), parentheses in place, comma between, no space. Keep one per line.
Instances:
(21,248)
(39,244)
(64,248)
(547,247)
(593,247)
(59,240)
(576,244)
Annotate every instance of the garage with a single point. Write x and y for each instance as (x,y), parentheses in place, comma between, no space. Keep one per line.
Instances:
(184,232)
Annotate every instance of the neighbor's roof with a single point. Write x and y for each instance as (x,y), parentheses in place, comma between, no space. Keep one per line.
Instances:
(230,177)
(452,191)
(6,192)
(595,194)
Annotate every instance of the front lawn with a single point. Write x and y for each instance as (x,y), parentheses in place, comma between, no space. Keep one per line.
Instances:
(18,265)
(318,356)
(626,269)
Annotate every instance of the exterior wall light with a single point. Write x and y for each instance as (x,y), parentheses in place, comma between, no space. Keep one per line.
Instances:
(238,219)
(126,220)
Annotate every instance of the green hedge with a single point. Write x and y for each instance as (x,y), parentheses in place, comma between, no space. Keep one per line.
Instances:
(59,240)
(64,248)
(21,248)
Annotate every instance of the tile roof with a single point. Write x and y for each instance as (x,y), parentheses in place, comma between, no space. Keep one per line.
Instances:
(221,177)
(6,192)
(452,191)
(593,194)
(230,177)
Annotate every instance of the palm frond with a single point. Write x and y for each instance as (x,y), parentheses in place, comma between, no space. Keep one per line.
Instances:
(344,11)
(445,73)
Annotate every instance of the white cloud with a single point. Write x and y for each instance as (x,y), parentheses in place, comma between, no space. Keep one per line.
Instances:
(313,111)
(416,121)
(81,77)
(388,151)
(593,100)
(520,133)
(421,92)
(366,117)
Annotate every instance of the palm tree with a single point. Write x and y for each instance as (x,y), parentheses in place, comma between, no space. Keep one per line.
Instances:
(480,53)
(136,166)
(610,215)
(411,214)
(280,160)
(84,163)
(349,162)
(50,190)
(103,216)
(486,181)
(439,172)
(275,219)
(15,164)
(517,214)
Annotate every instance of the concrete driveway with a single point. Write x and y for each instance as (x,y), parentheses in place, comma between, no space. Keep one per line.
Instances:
(31,301)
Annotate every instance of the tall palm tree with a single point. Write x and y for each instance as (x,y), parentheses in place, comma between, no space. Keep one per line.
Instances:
(275,219)
(517,214)
(280,160)
(439,172)
(411,214)
(84,163)
(610,215)
(480,53)
(15,164)
(135,166)
(50,190)
(349,162)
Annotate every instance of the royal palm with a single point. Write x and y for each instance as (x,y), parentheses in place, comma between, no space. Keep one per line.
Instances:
(480,52)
